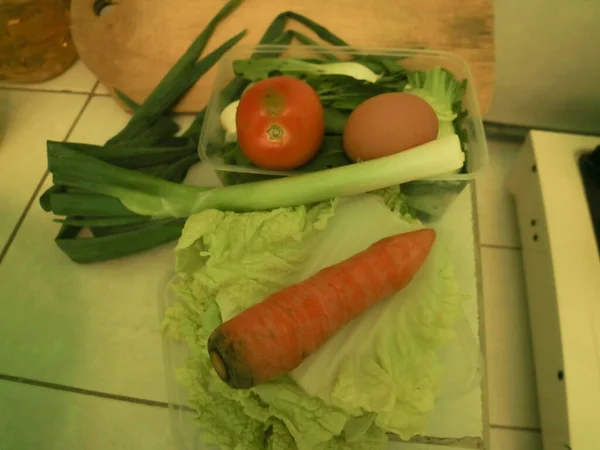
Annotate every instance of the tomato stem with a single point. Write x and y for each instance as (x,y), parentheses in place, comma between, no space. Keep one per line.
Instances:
(275,132)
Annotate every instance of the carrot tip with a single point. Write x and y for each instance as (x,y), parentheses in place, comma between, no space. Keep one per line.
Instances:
(219,365)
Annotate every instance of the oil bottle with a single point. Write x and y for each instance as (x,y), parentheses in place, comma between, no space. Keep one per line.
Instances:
(35,40)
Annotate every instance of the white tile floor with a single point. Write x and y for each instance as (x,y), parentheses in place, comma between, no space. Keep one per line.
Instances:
(512,398)
(49,419)
(50,111)
(507,439)
(34,117)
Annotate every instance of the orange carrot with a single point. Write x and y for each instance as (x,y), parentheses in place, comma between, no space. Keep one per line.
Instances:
(274,336)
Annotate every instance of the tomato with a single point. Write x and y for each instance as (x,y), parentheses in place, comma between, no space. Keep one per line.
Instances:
(280,123)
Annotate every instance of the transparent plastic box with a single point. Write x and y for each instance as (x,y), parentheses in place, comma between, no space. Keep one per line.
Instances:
(429,197)
(462,360)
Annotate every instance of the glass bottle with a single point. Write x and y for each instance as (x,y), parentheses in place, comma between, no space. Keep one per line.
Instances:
(35,40)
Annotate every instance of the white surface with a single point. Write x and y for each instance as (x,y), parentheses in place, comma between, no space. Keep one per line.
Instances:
(503,439)
(36,418)
(554,197)
(495,206)
(547,65)
(443,422)
(511,375)
(130,375)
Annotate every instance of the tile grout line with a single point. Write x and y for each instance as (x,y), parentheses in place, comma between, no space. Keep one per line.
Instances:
(37,189)
(45,91)
(516,428)
(91,393)
(481,328)
(93,91)
(515,132)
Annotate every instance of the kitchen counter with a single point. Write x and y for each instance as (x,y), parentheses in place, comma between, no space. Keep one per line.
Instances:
(80,354)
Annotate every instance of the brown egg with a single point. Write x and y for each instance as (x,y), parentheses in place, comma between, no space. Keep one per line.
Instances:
(387,124)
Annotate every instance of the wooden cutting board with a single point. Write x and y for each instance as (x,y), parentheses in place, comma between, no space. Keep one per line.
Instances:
(133,43)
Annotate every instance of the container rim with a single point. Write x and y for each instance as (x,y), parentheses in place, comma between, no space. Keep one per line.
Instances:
(473,111)
(378,51)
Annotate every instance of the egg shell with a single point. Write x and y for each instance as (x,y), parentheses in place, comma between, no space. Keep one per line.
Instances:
(387,124)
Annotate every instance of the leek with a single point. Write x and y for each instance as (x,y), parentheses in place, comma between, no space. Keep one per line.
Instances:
(146,195)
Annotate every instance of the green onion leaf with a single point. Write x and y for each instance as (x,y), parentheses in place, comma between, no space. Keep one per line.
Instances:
(103,221)
(65,204)
(45,202)
(274,30)
(96,249)
(319,30)
(177,81)
(131,157)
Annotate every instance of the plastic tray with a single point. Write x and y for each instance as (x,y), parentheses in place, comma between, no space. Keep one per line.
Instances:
(430,197)
(462,360)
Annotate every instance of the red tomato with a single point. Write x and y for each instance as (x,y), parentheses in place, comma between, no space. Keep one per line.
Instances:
(280,123)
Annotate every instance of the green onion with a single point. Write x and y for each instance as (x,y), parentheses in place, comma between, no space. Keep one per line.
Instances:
(274,30)
(274,35)
(118,229)
(104,221)
(89,250)
(164,127)
(179,79)
(127,101)
(149,141)
(319,30)
(45,197)
(177,170)
(135,148)
(63,204)
(132,157)
(305,40)
(143,120)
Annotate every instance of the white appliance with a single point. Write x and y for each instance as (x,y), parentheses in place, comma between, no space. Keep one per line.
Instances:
(561,257)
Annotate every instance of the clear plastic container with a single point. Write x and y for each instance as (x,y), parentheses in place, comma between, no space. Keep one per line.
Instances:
(462,360)
(429,197)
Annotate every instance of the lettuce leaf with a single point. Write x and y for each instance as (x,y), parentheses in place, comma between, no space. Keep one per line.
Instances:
(225,263)
(380,373)
(386,361)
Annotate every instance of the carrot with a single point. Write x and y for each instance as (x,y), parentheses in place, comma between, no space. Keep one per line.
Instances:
(274,336)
